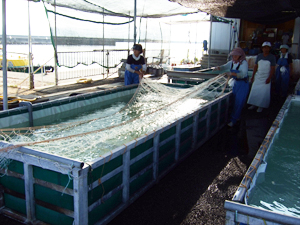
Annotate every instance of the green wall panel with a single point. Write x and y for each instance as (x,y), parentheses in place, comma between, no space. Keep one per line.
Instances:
(52,177)
(213,116)
(202,113)
(141,164)
(185,147)
(140,182)
(52,217)
(202,124)
(141,148)
(167,133)
(167,147)
(201,135)
(105,169)
(104,188)
(186,122)
(186,135)
(14,203)
(166,162)
(214,107)
(106,207)
(16,166)
(213,126)
(13,183)
(53,197)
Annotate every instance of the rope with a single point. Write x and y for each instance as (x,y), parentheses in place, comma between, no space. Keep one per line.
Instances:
(92,21)
(154,87)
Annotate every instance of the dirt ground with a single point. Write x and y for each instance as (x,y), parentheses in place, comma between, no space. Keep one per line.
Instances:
(195,191)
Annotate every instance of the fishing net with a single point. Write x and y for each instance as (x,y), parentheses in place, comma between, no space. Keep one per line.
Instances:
(89,136)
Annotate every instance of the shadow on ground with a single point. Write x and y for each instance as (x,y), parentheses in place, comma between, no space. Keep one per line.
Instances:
(195,191)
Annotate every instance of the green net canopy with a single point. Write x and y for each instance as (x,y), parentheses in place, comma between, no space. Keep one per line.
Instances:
(124,8)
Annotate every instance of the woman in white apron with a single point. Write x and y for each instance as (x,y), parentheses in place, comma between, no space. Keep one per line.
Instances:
(263,71)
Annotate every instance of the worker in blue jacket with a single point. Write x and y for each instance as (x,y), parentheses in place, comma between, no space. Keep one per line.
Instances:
(135,66)
(283,71)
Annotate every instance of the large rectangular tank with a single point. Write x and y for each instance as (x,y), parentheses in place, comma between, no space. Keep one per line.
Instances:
(264,197)
(38,186)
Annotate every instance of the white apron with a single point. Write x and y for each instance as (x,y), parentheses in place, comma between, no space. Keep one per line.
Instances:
(260,91)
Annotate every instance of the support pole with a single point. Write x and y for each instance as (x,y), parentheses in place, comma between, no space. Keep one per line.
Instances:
(29,192)
(209,51)
(30,69)
(128,35)
(230,37)
(103,60)
(55,49)
(4,60)
(145,39)
(134,21)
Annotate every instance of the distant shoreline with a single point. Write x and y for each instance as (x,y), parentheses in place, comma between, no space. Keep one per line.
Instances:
(46,40)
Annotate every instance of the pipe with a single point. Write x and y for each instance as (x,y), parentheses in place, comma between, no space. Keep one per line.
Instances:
(4,60)
(29,107)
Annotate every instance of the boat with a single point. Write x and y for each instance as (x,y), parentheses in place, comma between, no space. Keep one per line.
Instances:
(18,62)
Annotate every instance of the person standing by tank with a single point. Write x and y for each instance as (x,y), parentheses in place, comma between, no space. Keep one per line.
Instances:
(283,71)
(263,71)
(135,66)
(238,68)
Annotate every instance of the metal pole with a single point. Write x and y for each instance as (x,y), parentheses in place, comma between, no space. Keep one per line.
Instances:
(209,52)
(103,44)
(195,45)
(55,49)
(4,61)
(230,37)
(128,36)
(134,21)
(30,69)
(145,38)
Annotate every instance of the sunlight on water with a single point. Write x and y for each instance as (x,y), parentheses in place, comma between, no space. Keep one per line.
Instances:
(280,191)
(93,134)
(131,123)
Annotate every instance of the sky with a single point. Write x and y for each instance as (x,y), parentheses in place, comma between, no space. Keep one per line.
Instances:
(17,23)
(17,18)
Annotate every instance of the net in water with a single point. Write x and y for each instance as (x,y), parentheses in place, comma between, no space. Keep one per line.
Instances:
(87,137)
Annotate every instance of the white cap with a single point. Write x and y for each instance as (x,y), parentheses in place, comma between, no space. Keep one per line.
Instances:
(284,46)
(266,43)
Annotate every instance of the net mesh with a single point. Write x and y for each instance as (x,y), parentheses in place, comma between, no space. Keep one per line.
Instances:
(91,135)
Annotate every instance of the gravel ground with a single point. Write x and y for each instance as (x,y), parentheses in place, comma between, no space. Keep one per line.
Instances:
(195,191)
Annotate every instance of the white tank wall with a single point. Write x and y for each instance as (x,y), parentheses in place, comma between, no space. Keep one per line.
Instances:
(220,36)
(220,39)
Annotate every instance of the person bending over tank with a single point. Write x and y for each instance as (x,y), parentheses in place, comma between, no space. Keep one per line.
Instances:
(135,66)
(238,68)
